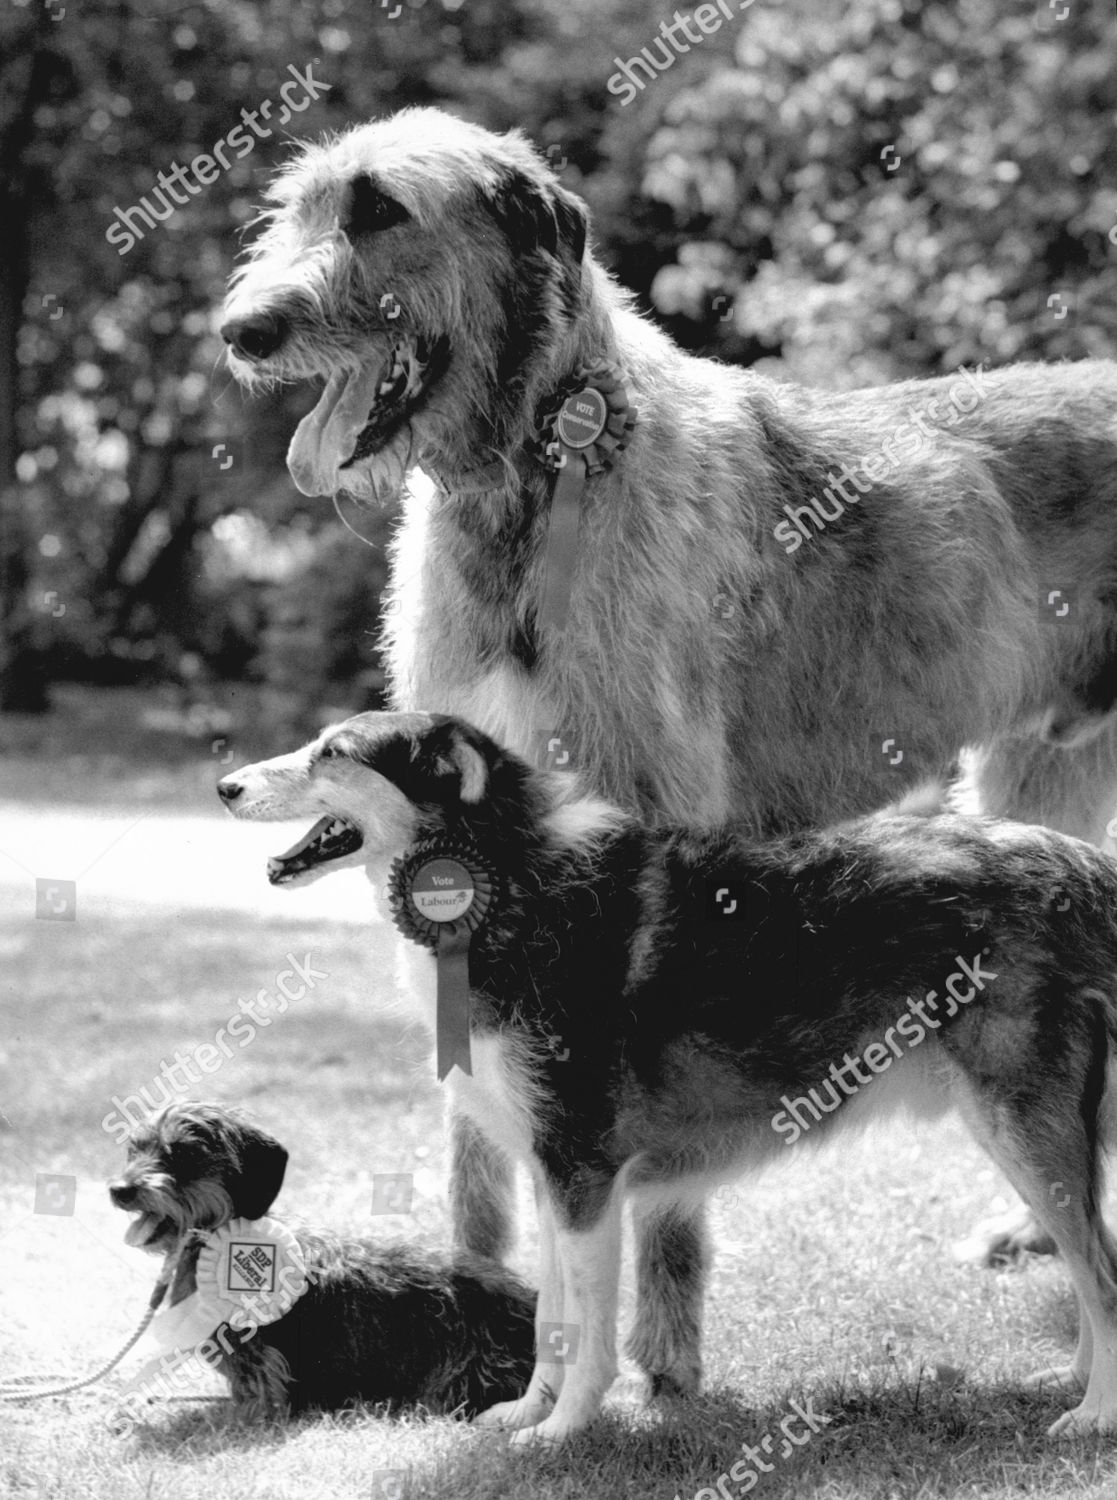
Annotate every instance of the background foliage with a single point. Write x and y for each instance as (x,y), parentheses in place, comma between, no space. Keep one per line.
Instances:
(850,193)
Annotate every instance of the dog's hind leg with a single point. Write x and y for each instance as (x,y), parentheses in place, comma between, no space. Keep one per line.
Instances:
(1074,789)
(1045,1141)
(672,1256)
(1091,1256)
(1072,1377)
(480,1192)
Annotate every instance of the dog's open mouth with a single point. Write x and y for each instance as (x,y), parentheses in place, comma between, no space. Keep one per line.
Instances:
(361,410)
(329,839)
(147,1230)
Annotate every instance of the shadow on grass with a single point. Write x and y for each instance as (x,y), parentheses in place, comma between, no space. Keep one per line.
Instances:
(871,1442)
(967,1437)
(203,1428)
(196,1429)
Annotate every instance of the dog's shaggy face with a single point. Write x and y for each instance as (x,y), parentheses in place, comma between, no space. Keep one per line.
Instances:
(371,784)
(415,265)
(195,1166)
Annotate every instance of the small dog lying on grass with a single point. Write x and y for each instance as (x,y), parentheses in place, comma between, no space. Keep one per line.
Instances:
(374,1323)
(710,995)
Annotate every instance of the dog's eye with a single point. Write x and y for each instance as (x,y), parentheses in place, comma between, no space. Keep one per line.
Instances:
(327,752)
(370,210)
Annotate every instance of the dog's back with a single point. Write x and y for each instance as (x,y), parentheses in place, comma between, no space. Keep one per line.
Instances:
(798,922)
(698,984)
(389,1325)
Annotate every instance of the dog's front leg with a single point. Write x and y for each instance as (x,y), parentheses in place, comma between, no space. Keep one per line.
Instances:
(481,1182)
(546,1378)
(582,1347)
(480,1192)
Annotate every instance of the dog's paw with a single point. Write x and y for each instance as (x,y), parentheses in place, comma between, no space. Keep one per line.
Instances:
(1087,1420)
(548,1433)
(1004,1238)
(524,1413)
(1057,1378)
(669,1388)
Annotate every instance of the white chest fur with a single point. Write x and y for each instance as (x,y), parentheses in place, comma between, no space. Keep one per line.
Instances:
(498,1095)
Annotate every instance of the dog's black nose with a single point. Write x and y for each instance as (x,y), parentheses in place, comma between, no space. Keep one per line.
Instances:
(229,790)
(123,1194)
(256,337)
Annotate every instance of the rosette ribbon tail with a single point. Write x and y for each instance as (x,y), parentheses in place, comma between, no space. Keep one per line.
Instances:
(441,892)
(452,1022)
(562,540)
(578,434)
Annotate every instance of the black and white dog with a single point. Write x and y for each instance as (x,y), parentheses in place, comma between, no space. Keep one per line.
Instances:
(375,1324)
(718,1001)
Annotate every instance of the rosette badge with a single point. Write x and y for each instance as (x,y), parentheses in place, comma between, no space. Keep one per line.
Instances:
(249,1272)
(440,893)
(578,436)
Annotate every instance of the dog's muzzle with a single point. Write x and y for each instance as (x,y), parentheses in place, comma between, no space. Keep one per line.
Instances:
(149,1229)
(329,839)
(360,411)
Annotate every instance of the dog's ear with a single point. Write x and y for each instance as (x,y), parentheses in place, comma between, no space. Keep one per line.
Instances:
(454,754)
(539,216)
(443,762)
(263,1162)
(573,222)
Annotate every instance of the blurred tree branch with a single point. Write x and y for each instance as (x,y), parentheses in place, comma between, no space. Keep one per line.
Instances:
(25,74)
(745,195)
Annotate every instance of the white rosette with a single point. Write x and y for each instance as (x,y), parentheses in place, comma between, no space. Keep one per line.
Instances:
(250,1272)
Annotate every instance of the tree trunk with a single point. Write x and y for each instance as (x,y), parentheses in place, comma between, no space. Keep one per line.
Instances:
(22,688)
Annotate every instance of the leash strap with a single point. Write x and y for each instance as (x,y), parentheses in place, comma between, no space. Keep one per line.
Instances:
(10,1390)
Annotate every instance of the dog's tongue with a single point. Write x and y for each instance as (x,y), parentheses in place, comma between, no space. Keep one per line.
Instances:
(308,841)
(326,437)
(140,1230)
(330,838)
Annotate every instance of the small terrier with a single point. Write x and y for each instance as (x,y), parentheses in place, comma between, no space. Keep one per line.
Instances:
(375,1324)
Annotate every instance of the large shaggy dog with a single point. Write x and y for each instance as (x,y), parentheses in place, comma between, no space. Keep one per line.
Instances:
(720,1000)
(788,606)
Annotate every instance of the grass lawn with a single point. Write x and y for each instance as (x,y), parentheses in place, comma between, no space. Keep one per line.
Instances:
(831,1283)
